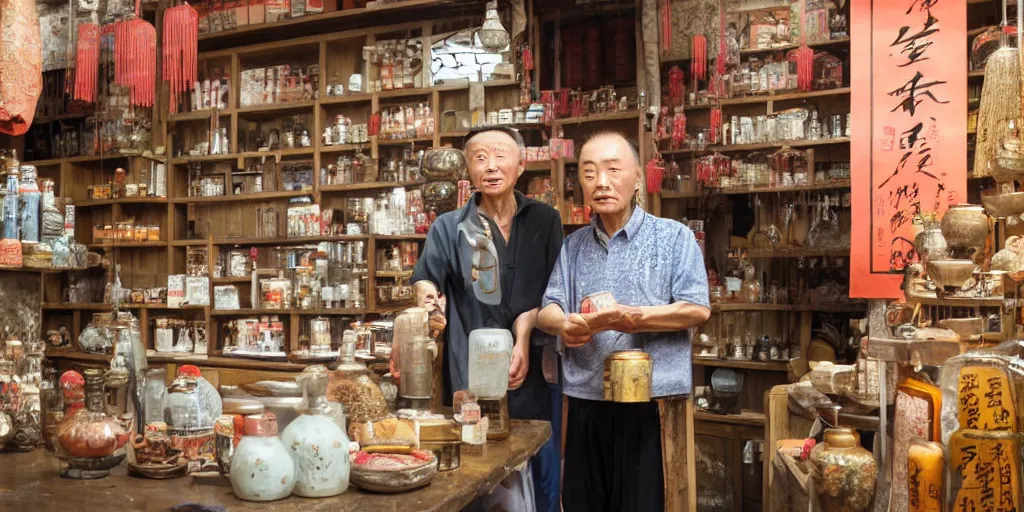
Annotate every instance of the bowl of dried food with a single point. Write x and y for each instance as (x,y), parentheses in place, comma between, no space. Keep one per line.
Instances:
(392,472)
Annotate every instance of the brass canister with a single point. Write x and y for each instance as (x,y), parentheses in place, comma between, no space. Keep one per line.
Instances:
(627,376)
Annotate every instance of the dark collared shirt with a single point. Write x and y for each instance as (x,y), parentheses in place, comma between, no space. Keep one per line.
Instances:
(525,263)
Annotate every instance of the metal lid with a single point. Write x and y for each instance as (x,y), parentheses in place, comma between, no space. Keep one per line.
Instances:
(629,355)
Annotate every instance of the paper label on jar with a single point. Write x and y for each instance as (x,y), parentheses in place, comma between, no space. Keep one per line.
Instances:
(733,284)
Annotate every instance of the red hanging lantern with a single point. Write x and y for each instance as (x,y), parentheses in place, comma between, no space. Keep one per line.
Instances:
(135,60)
(181,32)
(87,62)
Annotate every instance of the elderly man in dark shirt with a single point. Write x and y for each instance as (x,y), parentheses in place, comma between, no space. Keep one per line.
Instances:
(527,238)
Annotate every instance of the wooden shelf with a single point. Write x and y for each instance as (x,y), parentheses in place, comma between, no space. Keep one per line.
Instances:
(285,240)
(597,118)
(61,117)
(277,108)
(99,306)
(361,97)
(76,159)
(341,148)
(831,42)
(796,96)
(74,355)
(252,196)
(38,270)
(127,244)
(122,200)
(796,252)
(373,185)
(977,73)
(457,134)
(391,274)
(198,115)
(766,366)
(538,166)
(400,237)
(830,185)
(404,142)
(291,311)
(410,92)
(747,10)
(748,418)
(778,145)
(853,307)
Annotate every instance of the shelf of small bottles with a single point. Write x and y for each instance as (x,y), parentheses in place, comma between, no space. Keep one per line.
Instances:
(127,244)
(853,307)
(295,240)
(727,148)
(213,360)
(828,185)
(748,418)
(767,366)
(89,158)
(765,98)
(276,154)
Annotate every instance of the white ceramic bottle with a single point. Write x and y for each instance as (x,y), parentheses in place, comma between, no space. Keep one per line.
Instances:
(261,468)
(315,442)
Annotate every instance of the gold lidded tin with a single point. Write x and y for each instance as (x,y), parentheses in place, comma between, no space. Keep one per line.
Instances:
(627,376)
(444,439)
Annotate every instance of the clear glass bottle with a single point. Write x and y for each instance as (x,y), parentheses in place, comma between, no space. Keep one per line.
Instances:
(490,356)
(415,358)
(30,199)
(52,218)
(11,217)
(52,404)
(154,391)
(814,127)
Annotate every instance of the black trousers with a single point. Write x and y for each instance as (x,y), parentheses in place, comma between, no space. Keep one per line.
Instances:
(613,458)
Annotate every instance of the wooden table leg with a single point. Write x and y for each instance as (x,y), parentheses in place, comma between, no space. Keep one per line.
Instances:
(677,450)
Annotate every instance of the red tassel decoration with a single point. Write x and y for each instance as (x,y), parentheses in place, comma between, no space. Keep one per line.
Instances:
(679,128)
(666,26)
(699,65)
(804,68)
(720,60)
(87,62)
(135,60)
(181,31)
(716,125)
(676,87)
(655,173)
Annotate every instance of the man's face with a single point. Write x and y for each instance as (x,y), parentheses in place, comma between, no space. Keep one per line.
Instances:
(609,174)
(494,163)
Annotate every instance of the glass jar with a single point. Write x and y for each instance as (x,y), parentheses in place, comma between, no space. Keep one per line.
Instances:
(414,354)
(52,219)
(30,199)
(276,292)
(490,356)
(352,385)
(189,425)
(92,442)
(52,404)
(154,392)
(318,444)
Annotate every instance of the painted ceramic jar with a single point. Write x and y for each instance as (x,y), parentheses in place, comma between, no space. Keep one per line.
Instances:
(316,442)
(844,472)
(261,468)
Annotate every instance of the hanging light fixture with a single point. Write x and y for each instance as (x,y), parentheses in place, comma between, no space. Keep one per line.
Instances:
(493,35)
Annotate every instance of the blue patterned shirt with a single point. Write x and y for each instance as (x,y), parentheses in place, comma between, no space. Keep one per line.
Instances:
(651,261)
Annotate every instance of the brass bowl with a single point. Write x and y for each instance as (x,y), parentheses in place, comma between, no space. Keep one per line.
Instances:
(966,328)
(952,273)
(1004,205)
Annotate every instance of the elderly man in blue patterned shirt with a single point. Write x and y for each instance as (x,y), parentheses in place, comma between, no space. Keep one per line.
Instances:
(655,270)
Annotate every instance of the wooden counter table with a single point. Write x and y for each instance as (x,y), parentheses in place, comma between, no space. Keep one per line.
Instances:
(29,482)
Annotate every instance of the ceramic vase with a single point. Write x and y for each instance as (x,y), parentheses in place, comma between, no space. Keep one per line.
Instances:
(261,468)
(844,472)
(317,444)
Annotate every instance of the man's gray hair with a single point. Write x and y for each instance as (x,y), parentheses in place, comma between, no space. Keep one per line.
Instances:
(507,130)
(612,133)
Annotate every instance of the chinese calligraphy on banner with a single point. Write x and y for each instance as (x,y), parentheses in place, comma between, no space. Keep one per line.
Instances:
(909,130)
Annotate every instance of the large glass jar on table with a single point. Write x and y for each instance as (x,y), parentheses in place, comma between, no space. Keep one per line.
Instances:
(352,385)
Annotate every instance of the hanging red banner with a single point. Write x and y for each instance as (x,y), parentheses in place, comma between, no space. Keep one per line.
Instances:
(909,130)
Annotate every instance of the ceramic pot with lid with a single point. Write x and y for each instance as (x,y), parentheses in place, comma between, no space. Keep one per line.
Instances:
(965,226)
